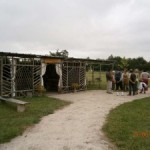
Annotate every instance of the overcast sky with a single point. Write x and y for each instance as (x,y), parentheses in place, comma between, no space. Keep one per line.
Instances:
(85,28)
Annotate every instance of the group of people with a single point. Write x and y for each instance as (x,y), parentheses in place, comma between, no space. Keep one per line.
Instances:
(131,81)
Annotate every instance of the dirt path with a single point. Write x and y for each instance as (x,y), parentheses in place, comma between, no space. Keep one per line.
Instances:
(76,127)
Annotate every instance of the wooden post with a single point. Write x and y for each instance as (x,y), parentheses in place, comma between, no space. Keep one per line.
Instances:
(13,67)
(93,74)
(79,72)
(1,81)
(100,75)
(67,74)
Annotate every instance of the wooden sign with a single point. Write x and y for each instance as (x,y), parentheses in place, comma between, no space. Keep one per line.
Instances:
(51,60)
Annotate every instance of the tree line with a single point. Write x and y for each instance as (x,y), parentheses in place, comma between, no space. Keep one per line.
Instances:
(129,63)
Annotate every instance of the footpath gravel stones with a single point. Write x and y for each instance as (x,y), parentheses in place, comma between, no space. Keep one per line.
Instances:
(75,127)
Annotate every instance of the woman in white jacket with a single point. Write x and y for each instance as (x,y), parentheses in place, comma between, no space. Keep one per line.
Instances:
(142,87)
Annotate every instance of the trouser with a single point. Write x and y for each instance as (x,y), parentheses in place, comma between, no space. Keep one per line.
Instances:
(113,86)
(109,86)
(132,88)
(136,87)
(125,86)
(119,85)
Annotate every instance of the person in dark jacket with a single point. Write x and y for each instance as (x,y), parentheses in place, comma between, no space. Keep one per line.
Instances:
(132,82)
(118,79)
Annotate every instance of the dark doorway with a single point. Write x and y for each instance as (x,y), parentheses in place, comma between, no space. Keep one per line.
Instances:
(51,78)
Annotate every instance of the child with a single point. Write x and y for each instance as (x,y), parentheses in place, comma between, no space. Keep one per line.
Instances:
(142,87)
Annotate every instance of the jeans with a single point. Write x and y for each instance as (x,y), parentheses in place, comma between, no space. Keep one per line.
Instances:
(132,88)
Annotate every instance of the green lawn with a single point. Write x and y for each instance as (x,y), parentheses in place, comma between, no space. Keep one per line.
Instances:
(93,82)
(13,123)
(128,125)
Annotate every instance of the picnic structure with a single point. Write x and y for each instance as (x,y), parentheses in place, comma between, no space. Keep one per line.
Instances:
(27,74)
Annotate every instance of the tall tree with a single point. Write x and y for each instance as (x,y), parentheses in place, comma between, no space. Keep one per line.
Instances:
(138,63)
(63,53)
(123,63)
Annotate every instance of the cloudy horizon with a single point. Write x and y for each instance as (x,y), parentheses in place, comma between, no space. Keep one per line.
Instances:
(95,29)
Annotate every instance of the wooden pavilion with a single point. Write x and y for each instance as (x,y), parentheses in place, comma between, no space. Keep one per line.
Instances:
(20,74)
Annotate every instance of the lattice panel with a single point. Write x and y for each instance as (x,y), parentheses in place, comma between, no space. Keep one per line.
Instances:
(82,77)
(6,80)
(36,75)
(19,75)
(65,86)
(73,73)
(24,78)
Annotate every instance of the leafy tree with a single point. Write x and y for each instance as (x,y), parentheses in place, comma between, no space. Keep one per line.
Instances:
(111,57)
(138,63)
(123,63)
(63,53)
(134,63)
(147,66)
(117,60)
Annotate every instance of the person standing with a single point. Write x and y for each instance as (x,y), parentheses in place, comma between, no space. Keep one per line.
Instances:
(109,81)
(144,77)
(118,79)
(125,80)
(113,80)
(132,83)
(136,71)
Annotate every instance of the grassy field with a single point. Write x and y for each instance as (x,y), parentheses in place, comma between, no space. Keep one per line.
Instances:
(128,125)
(13,123)
(96,81)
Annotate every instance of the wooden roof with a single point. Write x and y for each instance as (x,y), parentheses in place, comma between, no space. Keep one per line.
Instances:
(27,55)
(52,57)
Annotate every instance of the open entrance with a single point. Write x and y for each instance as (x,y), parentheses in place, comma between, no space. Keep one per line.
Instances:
(51,78)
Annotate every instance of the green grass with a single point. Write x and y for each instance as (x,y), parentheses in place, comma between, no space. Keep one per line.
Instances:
(128,125)
(13,123)
(93,83)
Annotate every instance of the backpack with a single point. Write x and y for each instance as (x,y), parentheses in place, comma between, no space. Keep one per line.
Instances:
(118,75)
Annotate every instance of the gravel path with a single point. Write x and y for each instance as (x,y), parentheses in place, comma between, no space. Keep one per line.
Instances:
(75,127)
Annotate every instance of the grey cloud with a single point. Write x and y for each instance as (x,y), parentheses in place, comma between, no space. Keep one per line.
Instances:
(95,28)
